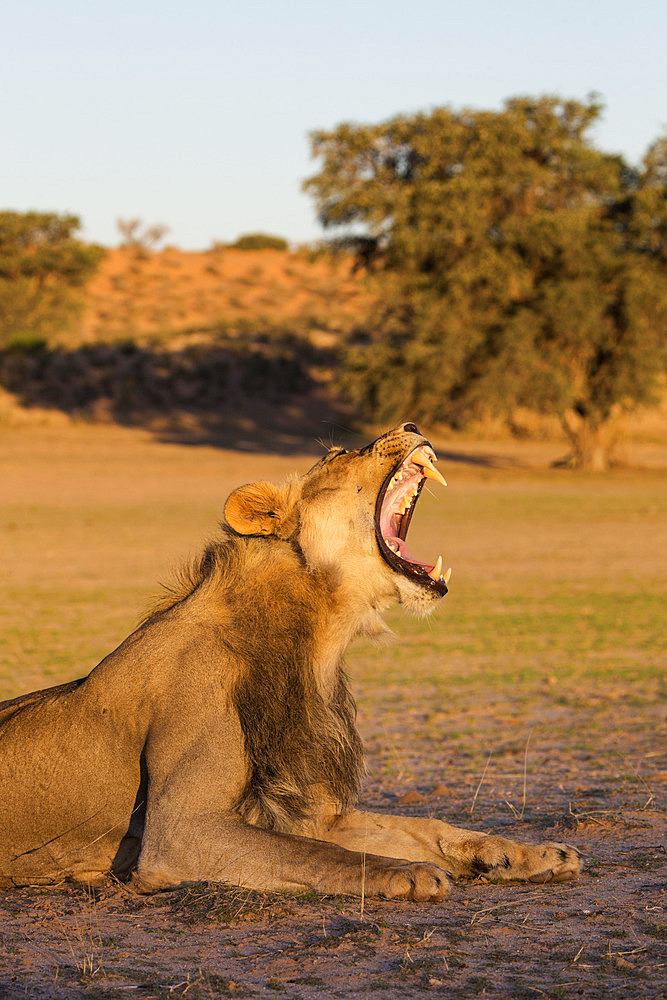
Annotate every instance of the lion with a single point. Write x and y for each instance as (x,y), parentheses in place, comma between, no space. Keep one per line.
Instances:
(218,742)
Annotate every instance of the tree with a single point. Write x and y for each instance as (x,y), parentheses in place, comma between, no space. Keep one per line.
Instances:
(518,265)
(41,266)
(140,238)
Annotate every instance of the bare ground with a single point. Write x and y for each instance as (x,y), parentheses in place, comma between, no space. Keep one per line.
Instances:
(602,936)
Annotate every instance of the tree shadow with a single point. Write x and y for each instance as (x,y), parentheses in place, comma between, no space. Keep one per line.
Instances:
(305,426)
(248,396)
(259,395)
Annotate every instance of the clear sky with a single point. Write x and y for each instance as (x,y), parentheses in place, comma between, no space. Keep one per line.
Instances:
(196,114)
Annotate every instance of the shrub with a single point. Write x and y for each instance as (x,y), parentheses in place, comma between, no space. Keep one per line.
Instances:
(260,241)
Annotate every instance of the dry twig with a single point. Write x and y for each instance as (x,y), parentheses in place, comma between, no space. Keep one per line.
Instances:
(474,798)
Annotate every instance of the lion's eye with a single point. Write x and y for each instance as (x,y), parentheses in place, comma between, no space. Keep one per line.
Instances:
(335,453)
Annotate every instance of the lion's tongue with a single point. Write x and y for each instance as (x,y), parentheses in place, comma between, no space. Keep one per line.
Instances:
(400,548)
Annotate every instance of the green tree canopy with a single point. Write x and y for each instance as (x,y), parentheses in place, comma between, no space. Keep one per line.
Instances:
(518,265)
(41,266)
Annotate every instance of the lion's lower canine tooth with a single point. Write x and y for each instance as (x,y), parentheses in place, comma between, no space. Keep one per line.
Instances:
(437,569)
(447,575)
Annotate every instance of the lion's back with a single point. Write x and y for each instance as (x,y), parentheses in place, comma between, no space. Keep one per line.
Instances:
(23,701)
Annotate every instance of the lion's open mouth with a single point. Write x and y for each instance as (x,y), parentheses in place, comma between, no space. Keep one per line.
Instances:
(393,513)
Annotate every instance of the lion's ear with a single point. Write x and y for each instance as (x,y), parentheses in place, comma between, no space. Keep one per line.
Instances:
(260,509)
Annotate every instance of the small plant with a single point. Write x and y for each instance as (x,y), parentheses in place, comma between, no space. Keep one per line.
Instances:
(136,236)
(26,343)
(224,904)
(260,241)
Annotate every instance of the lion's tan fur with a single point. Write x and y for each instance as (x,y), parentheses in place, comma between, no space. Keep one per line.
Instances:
(218,741)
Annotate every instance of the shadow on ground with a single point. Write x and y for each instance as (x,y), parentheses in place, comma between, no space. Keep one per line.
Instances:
(251,395)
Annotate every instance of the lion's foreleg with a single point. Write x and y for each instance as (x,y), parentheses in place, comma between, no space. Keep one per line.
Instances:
(463,853)
(233,852)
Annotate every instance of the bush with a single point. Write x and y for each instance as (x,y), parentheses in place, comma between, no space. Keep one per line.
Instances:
(42,269)
(260,241)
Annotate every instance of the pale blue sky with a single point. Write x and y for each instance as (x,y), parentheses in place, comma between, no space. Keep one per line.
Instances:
(196,114)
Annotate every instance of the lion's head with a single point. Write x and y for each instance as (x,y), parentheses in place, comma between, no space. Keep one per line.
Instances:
(349,515)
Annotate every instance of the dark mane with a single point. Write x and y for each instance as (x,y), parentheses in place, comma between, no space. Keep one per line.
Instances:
(300,743)
(219,556)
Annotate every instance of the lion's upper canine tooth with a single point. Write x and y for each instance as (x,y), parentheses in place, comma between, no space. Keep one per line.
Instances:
(447,575)
(421,457)
(437,570)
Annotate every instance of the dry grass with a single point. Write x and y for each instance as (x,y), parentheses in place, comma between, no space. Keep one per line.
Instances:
(554,574)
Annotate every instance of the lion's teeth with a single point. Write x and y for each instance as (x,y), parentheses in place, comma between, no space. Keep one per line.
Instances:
(437,569)
(408,500)
(406,503)
(447,575)
(420,457)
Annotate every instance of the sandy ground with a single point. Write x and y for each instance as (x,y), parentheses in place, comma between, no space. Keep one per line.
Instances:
(566,764)
(603,936)
(172,291)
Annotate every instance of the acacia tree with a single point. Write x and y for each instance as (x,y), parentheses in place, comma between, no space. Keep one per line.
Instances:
(41,266)
(517,264)
(140,238)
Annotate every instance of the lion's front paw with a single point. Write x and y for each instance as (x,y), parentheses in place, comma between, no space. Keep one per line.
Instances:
(507,861)
(555,863)
(501,860)
(420,881)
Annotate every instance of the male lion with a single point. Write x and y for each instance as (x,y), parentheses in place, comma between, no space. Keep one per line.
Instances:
(218,741)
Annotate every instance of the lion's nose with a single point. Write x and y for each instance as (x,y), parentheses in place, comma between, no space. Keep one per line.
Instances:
(411,428)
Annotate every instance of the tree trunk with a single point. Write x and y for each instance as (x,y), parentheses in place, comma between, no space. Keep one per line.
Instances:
(593,441)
